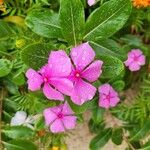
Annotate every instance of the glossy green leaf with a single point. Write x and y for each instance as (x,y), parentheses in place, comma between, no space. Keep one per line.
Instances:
(18,132)
(72,20)
(101,139)
(108,47)
(145,130)
(44,22)
(98,114)
(117,136)
(36,55)
(119,85)
(107,19)
(112,66)
(5,67)
(19,145)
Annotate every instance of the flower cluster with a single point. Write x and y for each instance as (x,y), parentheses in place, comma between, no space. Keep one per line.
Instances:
(73,76)
(141,3)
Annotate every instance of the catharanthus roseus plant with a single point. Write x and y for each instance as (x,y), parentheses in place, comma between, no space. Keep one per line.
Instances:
(60,59)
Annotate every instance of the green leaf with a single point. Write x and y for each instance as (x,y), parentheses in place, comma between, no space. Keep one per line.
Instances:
(72,20)
(98,114)
(18,132)
(19,145)
(119,85)
(112,66)
(108,47)
(107,19)
(5,67)
(44,22)
(36,55)
(101,139)
(117,136)
(145,130)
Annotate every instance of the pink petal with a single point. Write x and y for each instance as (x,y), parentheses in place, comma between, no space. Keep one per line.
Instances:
(136,52)
(67,110)
(64,85)
(114,101)
(57,126)
(51,93)
(141,60)
(69,122)
(82,92)
(128,61)
(104,103)
(82,55)
(134,66)
(49,116)
(105,89)
(59,64)
(45,71)
(91,2)
(93,72)
(34,80)
(113,93)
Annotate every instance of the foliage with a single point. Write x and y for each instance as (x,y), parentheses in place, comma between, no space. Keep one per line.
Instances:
(30,29)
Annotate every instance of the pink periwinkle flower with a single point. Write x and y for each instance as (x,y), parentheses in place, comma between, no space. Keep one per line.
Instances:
(85,68)
(91,2)
(108,97)
(52,76)
(60,118)
(135,60)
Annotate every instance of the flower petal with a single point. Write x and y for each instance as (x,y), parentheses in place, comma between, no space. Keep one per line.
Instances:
(69,122)
(114,101)
(141,60)
(19,118)
(82,92)
(51,93)
(105,88)
(136,52)
(82,55)
(64,85)
(93,72)
(57,126)
(91,2)
(59,63)
(134,66)
(129,61)
(67,110)
(104,103)
(49,116)
(34,80)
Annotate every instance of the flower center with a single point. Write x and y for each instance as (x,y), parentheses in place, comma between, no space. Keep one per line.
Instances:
(45,79)
(60,115)
(77,74)
(136,58)
(108,97)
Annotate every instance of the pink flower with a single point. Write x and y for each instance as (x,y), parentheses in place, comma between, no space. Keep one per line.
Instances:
(60,118)
(84,69)
(91,2)
(135,60)
(52,77)
(108,96)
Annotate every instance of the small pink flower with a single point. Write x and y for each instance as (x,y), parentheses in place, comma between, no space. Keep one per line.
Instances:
(84,69)
(108,96)
(91,2)
(52,76)
(135,60)
(60,118)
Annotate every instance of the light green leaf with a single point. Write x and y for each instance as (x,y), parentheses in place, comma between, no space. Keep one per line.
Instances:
(5,67)
(72,20)
(19,145)
(112,66)
(100,140)
(119,85)
(18,132)
(107,19)
(44,22)
(36,55)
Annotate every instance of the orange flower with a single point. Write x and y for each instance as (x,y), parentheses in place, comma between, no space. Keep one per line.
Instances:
(141,3)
